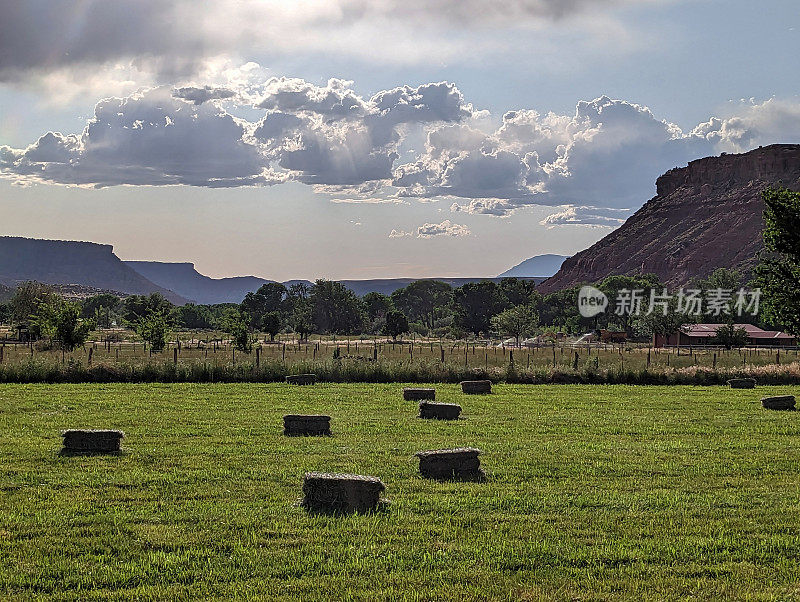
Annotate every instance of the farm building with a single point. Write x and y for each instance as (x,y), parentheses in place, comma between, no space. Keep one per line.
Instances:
(703,334)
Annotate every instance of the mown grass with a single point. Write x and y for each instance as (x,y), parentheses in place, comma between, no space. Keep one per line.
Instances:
(593,492)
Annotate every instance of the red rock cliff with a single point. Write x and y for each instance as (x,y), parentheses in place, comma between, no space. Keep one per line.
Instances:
(705,216)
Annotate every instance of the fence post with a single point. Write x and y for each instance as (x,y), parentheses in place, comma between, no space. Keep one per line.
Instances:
(175,355)
(258,357)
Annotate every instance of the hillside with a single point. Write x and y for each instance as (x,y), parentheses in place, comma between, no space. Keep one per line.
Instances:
(70,262)
(540,266)
(184,279)
(705,216)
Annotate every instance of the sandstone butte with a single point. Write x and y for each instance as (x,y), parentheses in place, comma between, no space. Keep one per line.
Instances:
(704,216)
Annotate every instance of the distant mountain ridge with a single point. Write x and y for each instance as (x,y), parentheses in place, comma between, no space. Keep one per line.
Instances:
(705,216)
(539,266)
(185,280)
(195,286)
(66,262)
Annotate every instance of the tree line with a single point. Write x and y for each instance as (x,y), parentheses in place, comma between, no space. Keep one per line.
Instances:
(509,308)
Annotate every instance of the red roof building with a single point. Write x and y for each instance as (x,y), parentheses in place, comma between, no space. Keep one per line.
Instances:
(703,334)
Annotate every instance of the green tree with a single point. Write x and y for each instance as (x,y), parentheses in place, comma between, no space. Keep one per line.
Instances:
(520,292)
(272,324)
(269,298)
(778,274)
(517,322)
(475,303)
(235,324)
(336,309)
(70,329)
(137,307)
(153,328)
(193,316)
(660,323)
(102,308)
(27,298)
(424,301)
(377,306)
(729,335)
(396,324)
(302,318)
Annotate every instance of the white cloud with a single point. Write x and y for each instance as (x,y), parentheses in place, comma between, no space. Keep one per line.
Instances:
(607,155)
(399,233)
(446,228)
(586,216)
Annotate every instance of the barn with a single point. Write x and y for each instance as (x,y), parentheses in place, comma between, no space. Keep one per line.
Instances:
(703,334)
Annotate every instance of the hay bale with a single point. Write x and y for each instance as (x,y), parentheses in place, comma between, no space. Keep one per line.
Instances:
(476,387)
(302,379)
(410,394)
(742,383)
(461,463)
(779,402)
(91,441)
(295,425)
(341,493)
(439,411)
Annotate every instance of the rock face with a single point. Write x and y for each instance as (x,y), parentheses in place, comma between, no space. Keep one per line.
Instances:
(705,216)
(66,262)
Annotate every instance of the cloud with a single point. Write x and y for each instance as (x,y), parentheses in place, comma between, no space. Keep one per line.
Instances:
(199,95)
(444,229)
(168,38)
(586,216)
(399,233)
(146,139)
(606,156)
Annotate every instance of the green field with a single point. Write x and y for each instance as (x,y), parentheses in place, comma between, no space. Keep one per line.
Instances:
(593,492)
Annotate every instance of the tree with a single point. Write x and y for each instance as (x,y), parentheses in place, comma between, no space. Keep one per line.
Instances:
(612,286)
(336,309)
(377,306)
(396,324)
(137,307)
(520,292)
(272,323)
(730,335)
(302,318)
(475,303)
(424,300)
(27,298)
(102,308)
(778,274)
(235,324)
(516,322)
(70,329)
(269,298)
(154,327)
(193,316)
(660,323)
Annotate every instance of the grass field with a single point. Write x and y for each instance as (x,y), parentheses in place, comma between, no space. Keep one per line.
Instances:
(593,492)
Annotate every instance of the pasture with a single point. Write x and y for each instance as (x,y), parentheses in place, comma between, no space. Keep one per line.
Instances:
(592,493)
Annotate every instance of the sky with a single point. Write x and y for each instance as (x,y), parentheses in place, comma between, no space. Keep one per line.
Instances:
(373,138)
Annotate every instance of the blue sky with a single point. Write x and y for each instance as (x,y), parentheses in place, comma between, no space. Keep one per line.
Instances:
(352,139)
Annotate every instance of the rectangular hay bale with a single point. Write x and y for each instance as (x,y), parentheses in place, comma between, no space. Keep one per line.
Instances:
(419,394)
(439,411)
(779,402)
(476,387)
(341,493)
(310,424)
(460,463)
(301,379)
(92,440)
(742,383)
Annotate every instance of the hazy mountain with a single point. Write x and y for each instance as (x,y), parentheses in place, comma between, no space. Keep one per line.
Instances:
(70,262)
(184,279)
(705,216)
(538,266)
